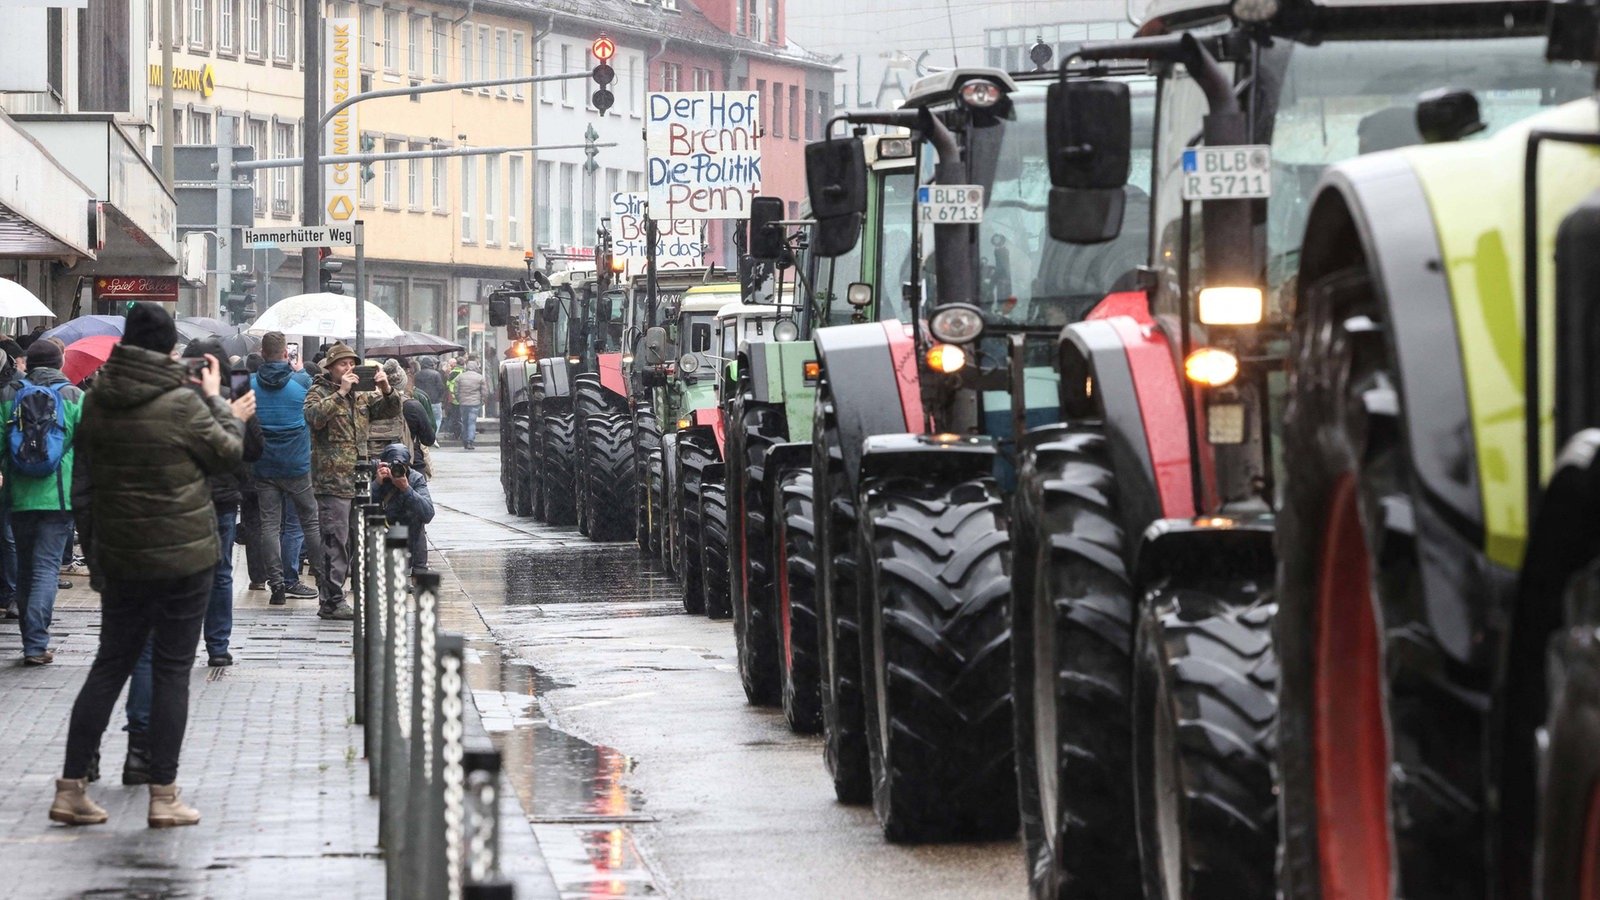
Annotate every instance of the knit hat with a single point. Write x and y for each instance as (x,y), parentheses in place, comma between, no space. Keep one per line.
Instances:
(338,352)
(150,327)
(44,354)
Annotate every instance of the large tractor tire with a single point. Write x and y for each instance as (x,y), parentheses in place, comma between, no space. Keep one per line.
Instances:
(1204,714)
(693,457)
(646,441)
(556,473)
(508,464)
(755,626)
(1568,856)
(1073,608)
(844,745)
(609,478)
(1380,739)
(656,479)
(714,550)
(796,575)
(936,634)
(521,468)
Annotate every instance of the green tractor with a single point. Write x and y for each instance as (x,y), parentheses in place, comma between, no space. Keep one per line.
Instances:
(563,352)
(512,306)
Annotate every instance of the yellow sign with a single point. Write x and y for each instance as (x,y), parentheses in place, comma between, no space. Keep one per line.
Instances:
(201,81)
(339,184)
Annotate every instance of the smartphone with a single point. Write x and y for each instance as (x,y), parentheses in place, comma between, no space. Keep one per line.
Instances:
(294,350)
(367,375)
(195,367)
(239,382)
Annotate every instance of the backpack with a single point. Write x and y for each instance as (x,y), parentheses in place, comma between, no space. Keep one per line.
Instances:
(37,433)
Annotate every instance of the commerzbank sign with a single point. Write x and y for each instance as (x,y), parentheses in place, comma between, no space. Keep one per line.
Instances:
(340,181)
(201,81)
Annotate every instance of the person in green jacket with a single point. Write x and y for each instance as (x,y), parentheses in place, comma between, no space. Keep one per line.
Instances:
(39,493)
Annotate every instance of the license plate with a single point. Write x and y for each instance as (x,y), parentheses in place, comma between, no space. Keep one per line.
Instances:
(950,204)
(1227,173)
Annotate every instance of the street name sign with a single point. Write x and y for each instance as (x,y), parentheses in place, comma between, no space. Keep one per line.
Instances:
(299,238)
(1227,173)
(704,150)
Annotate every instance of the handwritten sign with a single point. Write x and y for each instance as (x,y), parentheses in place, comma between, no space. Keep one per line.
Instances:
(678,243)
(705,154)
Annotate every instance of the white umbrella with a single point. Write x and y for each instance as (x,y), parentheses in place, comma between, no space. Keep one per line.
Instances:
(18,302)
(324,315)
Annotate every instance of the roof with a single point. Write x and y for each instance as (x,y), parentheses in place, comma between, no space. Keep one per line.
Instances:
(1184,9)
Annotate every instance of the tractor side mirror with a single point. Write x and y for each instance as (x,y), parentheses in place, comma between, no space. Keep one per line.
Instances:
(653,349)
(499,312)
(1448,114)
(1089,133)
(766,235)
(836,184)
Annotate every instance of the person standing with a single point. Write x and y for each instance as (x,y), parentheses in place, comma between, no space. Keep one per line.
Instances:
(340,416)
(151,442)
(472,392)
(283,474)
(41,422)
(430,384)
(10,381)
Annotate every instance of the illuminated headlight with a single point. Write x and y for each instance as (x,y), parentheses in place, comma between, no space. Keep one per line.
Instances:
(981,94)
(956,324)
(688,364)
(895,148)
(1254,10)
(785,330)
(1231,305)
(684,423)
(946,358)
(1211,367)
(574,360)
(627,359)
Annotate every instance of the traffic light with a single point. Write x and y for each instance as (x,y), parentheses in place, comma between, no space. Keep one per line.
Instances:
(328,271)
(240,299)
(590,150)
(368,144)
(603,49)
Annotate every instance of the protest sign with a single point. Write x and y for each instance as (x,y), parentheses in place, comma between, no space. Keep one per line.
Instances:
(705,154)
(677,242)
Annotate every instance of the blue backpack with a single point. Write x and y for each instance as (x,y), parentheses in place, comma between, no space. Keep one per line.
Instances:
(37,432)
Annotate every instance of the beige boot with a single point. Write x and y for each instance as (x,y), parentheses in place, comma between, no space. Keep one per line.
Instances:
(167,810)
(72,805)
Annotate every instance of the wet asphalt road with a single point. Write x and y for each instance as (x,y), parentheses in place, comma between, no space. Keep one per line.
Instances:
(627,736)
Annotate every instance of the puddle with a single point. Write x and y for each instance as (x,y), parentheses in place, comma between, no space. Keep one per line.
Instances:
(596,574)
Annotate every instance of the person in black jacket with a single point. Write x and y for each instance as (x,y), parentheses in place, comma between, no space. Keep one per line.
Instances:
(402,491)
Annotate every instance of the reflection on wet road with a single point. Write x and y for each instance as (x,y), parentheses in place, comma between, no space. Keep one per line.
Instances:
(626,735)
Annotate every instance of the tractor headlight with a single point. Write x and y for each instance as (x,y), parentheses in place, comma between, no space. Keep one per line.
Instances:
(1231,306)
(981,94)
(1211,367)
(688,364)
(785,331)
(1254,10)
(956,324)
(946,358)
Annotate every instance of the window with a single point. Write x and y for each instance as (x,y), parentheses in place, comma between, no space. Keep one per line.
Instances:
(776,125)
(368,33)
(773,21)
(423,308)
(514,201)
(466,53)
(282,32)
(483,55)
(589,222)
(178,14)
(794,111)
(283,179)
(414,181)
(613,184)
(635,90)
(516,63)
(391,40)
(671,76)
(811,109)
(391,196)
(669,4)
(439,41)
(199,17)
(702,79)
(225,23)
(544,227)
(441,165)
(469,189)
(414,58)
(257,134)
(386,296)
(199,128)
(501,64)
(741,16)
(565,53)
(491,208)
(569,173)
(252,27)
(635,182)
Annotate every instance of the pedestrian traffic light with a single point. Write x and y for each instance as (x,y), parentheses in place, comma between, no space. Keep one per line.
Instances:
(328,272)
(590,150)
(368,144)
(603,49)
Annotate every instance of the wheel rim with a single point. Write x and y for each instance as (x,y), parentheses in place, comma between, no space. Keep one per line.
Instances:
(1589,854)
(1046,745)
(1350,745)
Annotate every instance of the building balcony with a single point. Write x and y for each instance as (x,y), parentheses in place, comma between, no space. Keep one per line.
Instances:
(44,208)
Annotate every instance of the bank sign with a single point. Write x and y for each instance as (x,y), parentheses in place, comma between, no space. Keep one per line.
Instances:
(341,182)
(704,154)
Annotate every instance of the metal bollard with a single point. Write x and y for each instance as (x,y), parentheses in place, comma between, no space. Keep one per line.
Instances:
(358,543)
(425,818)
(481,763)
(397,648)
(377,643)
(451,786)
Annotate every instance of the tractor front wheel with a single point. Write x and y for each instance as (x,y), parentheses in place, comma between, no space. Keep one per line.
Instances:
(556,472)
(609,478)
(714,549)
(795,571)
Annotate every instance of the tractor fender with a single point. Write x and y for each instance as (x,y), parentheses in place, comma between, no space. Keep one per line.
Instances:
(754,380)
(708,419)
(946,458)
(1209,544)
(1120,373)
(554,378)
(872,380)
(610,365)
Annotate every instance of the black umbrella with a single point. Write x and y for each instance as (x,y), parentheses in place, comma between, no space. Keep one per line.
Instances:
(213,325)
(240,344)
(413,343)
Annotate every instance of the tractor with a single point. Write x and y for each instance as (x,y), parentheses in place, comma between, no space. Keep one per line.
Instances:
(564,351)
(1148,606)
(512,306)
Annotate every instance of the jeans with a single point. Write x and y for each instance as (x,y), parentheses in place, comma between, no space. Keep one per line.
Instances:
(139,685)
(172,609)
(469,424)
(40,536)
(335,515)
(66,550)
(291,544)
(219,611)
(8,560)
(272,492)
(249,534)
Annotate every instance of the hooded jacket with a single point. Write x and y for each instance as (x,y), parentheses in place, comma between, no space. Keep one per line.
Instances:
(52,493)
(280,406)
(431,384)
(151,442)
(339,432)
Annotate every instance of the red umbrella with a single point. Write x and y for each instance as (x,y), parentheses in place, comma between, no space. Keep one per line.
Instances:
(85,356)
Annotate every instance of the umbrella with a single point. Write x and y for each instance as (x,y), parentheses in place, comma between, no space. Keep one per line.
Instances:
(18,302)
(413,343)
(215,326)
(84,357)
(74,330)
(189,332)
(324,315)
(241,344)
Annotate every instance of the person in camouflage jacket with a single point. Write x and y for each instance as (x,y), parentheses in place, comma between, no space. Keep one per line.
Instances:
(340,417)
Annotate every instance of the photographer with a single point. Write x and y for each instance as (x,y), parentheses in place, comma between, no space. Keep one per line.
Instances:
(402,491)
